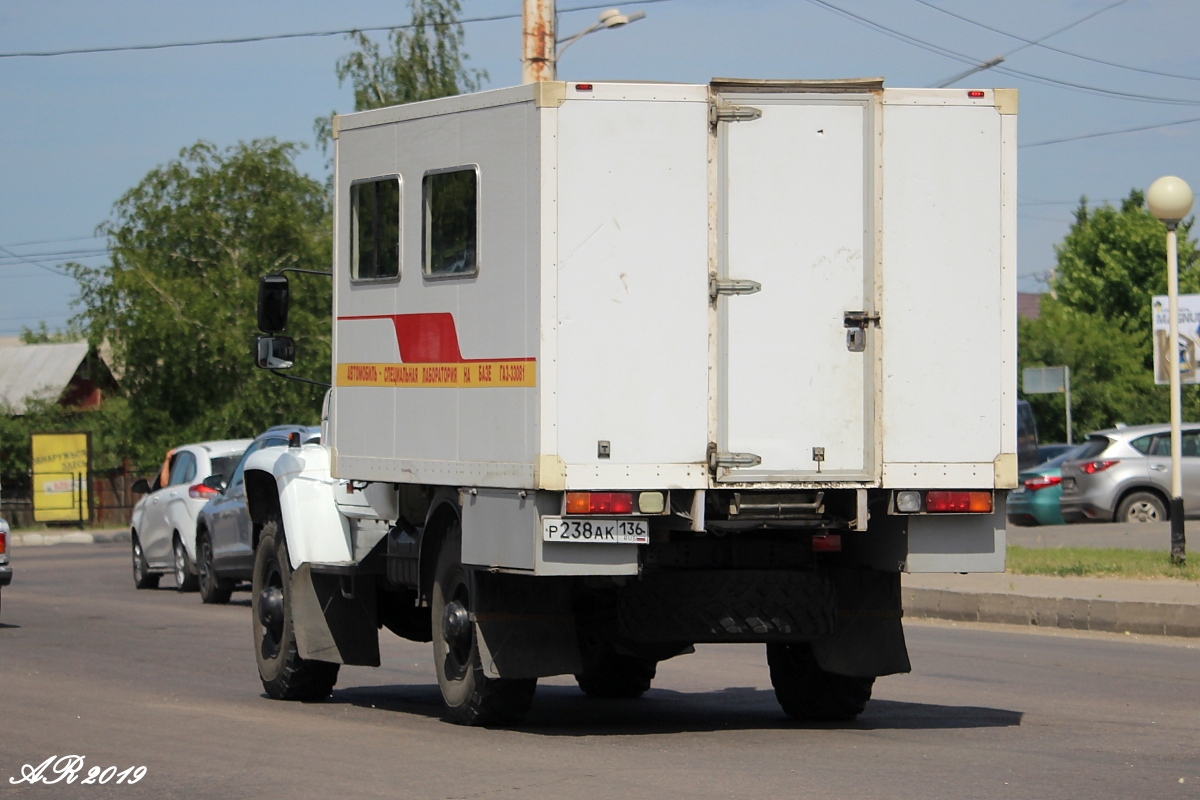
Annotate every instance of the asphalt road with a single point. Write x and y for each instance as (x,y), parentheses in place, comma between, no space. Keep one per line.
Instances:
(90,666)
(1123,535)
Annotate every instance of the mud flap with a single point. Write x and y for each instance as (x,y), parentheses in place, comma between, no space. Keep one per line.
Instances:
(524,626)
(869,638)
(333,617)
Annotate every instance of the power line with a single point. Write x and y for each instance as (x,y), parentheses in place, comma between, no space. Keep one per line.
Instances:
(1038,43)
(965,59)
(53,241)
(278,36)
(36,264)
(1111,133)
(62,254)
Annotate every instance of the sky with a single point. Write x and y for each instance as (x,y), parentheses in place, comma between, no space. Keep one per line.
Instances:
(80,130)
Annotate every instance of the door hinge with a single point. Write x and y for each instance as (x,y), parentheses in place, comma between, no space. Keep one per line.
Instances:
(718,286)
(859,319)
(730,460)
(721,111)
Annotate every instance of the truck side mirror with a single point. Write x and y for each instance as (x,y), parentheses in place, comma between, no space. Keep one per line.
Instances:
(272,303)
(275,352)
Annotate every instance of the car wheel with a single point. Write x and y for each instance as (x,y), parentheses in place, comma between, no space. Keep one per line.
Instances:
(143,578)
(470,696)
(185,581)
(213,590)
(284,674)
(1142,507)
(807,692)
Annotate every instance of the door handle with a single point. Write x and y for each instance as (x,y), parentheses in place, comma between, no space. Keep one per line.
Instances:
(1159,467)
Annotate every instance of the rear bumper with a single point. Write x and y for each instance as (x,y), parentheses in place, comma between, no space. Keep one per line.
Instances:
(5,574)
(1082,511)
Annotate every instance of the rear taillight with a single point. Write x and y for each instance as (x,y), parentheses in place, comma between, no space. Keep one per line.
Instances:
(827,543)
(1092,467)
(599,503)
(3,542)
(1041,482)
(958,502)
(202,492)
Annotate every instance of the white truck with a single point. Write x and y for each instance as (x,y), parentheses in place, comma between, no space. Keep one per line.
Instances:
(620,368)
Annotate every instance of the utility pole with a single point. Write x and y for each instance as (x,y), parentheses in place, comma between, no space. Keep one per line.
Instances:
(537,35)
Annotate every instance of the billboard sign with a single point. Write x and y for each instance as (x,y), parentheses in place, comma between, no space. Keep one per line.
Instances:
(1189,338)
(60,477)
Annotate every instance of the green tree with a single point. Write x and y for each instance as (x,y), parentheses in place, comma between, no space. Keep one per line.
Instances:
(177,300)
(424,62)
(1097,319)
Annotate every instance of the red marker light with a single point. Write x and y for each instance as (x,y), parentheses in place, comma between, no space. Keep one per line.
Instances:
(974,93)
(583,87)
(827,543)
(1092,467)
(202,492)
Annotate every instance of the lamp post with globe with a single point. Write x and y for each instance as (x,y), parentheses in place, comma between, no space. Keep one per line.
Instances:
(1170,200)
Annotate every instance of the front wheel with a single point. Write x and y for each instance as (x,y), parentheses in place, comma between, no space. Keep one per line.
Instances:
(285,675)
(143,578)
(807,692)
(470,696)
(185,581)
(1142,507)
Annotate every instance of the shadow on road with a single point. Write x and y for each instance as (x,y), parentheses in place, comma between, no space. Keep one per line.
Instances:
(7,625)
(565,711)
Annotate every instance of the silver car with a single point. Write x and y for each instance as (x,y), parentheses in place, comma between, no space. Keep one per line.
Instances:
(1124,475)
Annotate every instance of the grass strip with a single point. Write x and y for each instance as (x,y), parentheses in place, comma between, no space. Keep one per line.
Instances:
(1108,562)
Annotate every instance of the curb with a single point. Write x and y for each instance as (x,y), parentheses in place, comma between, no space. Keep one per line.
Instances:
(1114,616)
(74,537)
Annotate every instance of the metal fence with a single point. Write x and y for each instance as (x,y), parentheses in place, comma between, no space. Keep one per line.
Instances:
(112,498)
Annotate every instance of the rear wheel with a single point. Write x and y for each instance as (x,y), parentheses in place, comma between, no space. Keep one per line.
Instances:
(470,696)
(285,675)
(143,578)
(808,692)
(1142,507)
(185,580)
(611,674)
(212,588)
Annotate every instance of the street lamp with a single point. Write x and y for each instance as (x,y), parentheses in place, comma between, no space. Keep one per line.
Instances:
(541,51)
(1170,200)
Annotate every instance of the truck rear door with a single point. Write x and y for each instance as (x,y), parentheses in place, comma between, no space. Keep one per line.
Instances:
(795,283)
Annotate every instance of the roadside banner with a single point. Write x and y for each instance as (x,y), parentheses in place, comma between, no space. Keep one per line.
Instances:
(1189,338)
(60,477)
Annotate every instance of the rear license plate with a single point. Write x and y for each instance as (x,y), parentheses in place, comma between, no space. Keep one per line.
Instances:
(604,531)
(1068,483)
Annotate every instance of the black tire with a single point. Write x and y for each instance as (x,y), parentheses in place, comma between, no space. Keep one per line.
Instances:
(808,692)
(1142,507)
(285,675)
(185,578)
(213,590)
(470,696)
(612,675)
(143,578)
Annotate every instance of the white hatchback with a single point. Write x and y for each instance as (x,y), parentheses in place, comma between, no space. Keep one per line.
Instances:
(163,527)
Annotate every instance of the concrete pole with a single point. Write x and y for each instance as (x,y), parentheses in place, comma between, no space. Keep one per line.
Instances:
(537,41)
(1178,548)
(1067,381)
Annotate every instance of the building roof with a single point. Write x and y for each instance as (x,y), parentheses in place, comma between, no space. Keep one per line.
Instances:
(1029,305)
(39,370)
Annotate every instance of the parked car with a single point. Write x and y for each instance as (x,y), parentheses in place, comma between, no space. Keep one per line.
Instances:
(1048,452)
(224,530)
(1027,443)
(1124,474)
(163,526)
(6,572)
(1035,500)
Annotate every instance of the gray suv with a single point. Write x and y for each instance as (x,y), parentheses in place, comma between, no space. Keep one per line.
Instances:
(1124,474)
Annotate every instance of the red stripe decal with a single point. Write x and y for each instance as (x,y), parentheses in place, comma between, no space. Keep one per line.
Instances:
(427,338)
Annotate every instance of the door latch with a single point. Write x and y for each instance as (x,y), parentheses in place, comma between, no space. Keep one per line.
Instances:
(721,111)
(730,460)
(856,323)
(718,287)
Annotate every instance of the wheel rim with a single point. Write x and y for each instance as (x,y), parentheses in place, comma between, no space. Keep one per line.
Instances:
(456,630)
(137,561)
(204,567)
(1142,511)
(180,563)
(270,611)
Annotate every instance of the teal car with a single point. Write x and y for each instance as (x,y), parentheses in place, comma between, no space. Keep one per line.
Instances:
(1035,500)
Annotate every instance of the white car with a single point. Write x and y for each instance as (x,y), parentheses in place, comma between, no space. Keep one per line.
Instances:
(163,528)
(5,567)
